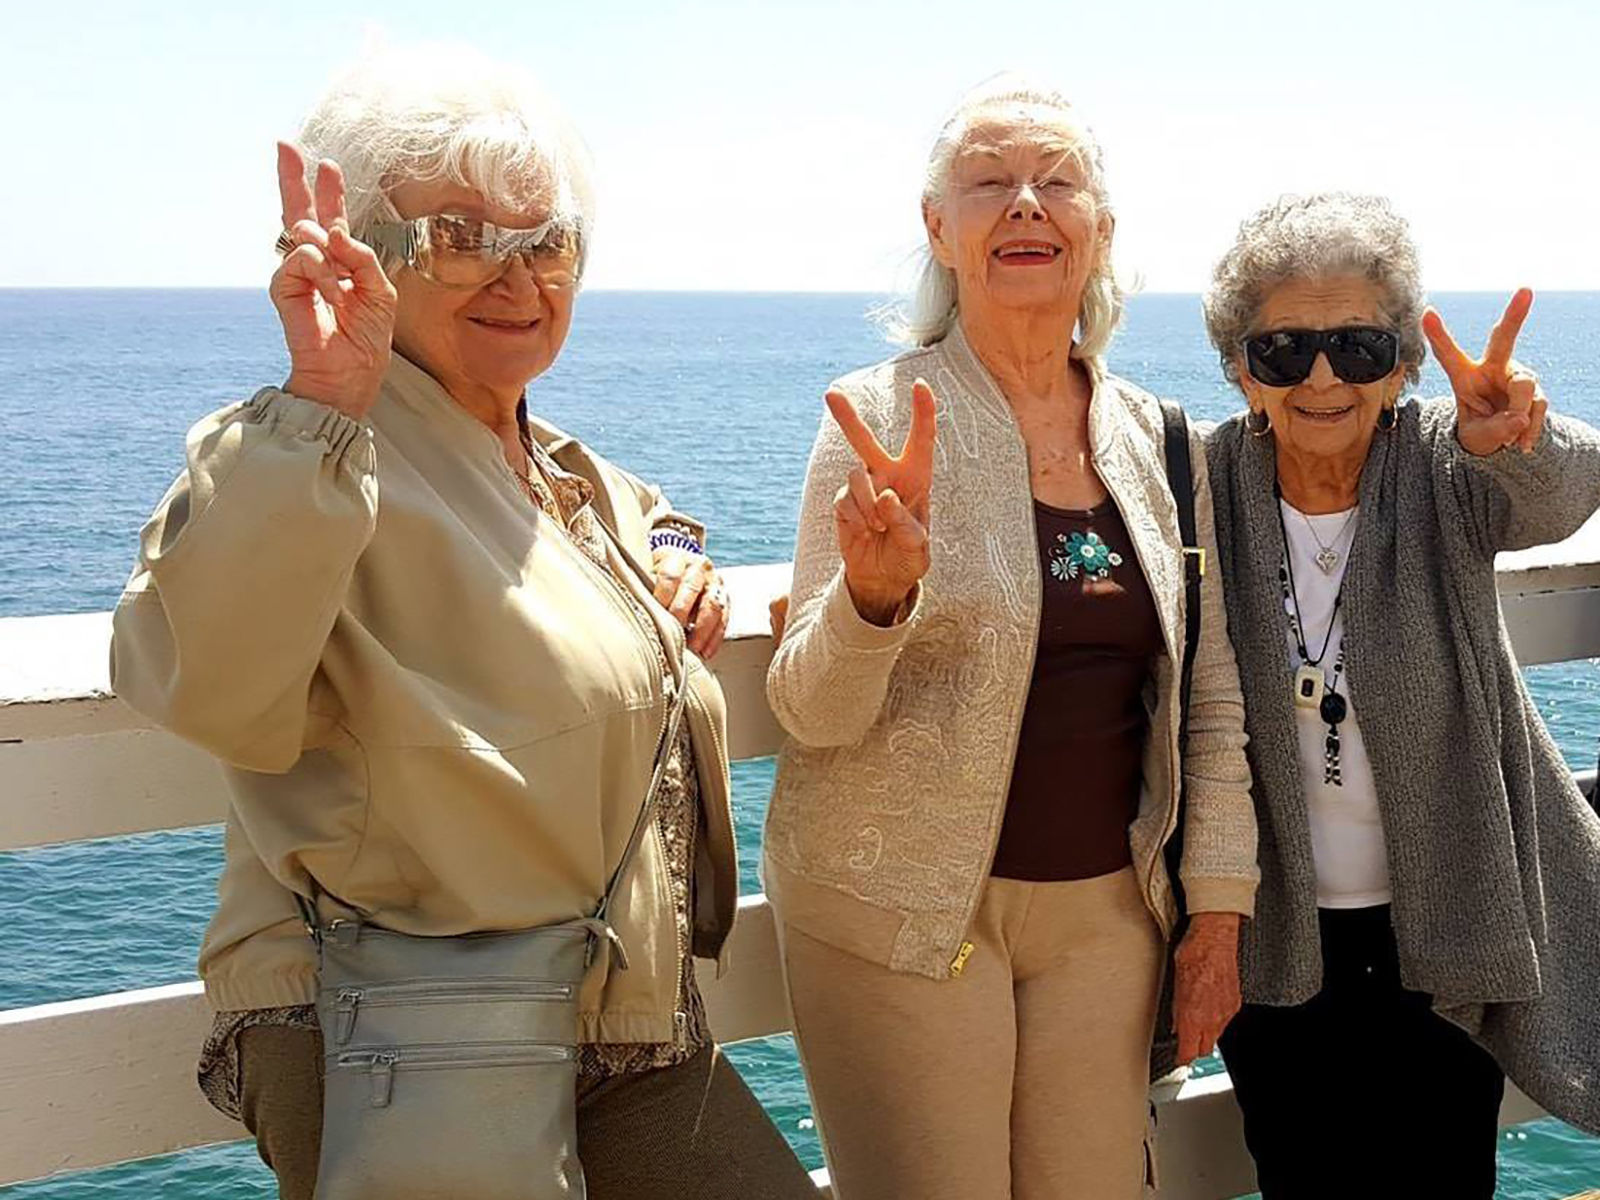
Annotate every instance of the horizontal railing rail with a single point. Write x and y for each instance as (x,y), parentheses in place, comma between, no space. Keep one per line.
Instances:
(85,1083)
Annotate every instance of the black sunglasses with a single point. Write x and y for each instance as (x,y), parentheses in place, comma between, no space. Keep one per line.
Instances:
(1357,354)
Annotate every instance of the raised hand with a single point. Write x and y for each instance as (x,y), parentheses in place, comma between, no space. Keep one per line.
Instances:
(336,304)
(1498,400)
(881,514)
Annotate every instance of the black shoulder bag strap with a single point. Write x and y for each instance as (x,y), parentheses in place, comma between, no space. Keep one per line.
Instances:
(1180,479)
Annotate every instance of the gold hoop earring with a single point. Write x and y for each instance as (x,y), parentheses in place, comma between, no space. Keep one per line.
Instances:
(1387,418)
(1254,429)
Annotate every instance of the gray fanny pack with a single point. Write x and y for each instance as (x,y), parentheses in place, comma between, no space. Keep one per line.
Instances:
(452,1062)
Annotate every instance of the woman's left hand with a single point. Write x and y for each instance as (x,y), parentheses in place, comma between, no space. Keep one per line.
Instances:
(690,587)
(1206,989)
(1498,400)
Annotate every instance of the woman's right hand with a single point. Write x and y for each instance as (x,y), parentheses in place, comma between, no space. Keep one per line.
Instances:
(336,304)
(881,514)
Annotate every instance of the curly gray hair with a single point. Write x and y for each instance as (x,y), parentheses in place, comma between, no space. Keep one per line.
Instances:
(1315,237)
(426,113)
(929,313)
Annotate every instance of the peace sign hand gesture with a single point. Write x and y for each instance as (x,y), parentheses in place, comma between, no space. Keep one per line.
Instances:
(881,514)
(336,304)
(1498,400)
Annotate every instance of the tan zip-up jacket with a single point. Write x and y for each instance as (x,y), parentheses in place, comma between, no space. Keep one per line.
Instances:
(424,695)
(891,789)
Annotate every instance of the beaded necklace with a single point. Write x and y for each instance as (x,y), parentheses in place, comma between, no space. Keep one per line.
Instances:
(1310,689)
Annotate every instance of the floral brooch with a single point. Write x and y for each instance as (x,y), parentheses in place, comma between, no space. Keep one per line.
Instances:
(1082,552)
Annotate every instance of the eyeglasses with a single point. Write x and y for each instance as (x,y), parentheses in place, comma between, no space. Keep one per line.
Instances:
(465,252)
(1054,190)
(1356,354)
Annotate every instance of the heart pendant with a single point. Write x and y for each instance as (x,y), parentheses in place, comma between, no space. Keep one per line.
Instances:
(1327,560)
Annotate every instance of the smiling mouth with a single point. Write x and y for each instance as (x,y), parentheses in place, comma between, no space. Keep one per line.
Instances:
(1026,254)
(1324,414)
(500,325)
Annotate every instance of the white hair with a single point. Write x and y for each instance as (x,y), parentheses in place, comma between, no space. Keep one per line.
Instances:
(929,312)
(427,113)
(1317,237)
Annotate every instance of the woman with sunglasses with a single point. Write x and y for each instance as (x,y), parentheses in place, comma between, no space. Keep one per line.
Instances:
(1430,889)
(412,623)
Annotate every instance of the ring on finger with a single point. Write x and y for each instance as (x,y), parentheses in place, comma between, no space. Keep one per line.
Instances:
(285,245)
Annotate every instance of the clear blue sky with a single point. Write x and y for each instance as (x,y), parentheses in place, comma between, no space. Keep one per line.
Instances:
(779,146)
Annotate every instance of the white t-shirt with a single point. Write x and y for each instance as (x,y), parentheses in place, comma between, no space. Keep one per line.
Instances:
(1346,831)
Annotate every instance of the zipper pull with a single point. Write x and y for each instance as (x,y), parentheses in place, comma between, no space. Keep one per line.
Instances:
(680,1023)
(345,1005)
(959,963)
(383,1077)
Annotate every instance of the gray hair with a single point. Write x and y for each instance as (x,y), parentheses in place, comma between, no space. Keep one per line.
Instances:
(929,312)
(1317,237)
(428,113)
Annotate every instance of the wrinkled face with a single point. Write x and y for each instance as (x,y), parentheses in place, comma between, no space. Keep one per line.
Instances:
(1324,415)
(1018,224)
(494,338)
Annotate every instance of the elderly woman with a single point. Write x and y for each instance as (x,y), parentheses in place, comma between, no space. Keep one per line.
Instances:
(980,677)
(1429,912)
(408,620)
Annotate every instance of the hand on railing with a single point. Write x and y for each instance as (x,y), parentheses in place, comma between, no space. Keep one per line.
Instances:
(336,304)
(778,616)
(690,587)
(881,513)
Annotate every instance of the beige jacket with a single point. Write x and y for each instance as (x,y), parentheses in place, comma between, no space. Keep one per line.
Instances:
(423,694)
(890,793)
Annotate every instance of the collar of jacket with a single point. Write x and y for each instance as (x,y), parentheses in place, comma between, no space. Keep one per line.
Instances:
(1125,442)
(410,386)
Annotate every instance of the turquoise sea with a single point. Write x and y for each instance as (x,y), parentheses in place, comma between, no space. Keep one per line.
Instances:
(714,396)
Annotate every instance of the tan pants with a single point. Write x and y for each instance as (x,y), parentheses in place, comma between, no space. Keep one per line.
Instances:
(1026,1077)
(693,1130)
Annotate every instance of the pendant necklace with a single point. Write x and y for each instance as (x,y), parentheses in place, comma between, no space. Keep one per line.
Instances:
(1310,689)
(1327,558)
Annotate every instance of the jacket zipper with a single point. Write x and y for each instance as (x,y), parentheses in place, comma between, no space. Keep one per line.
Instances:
(658,664)
(965,948)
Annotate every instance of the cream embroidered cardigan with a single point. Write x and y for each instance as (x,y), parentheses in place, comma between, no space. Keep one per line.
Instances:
(892,786)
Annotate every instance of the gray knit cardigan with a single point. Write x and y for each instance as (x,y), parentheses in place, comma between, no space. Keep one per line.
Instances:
(1494,856)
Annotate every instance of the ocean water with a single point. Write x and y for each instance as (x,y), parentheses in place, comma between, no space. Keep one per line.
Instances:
(716,397)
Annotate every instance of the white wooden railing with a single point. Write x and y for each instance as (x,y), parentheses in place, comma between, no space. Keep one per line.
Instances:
(84,1083)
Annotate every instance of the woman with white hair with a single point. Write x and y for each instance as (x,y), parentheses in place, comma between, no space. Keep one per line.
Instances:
(981,677)
(1429,912)
(434,644)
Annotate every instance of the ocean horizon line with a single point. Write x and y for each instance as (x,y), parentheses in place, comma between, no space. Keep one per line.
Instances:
(694,291)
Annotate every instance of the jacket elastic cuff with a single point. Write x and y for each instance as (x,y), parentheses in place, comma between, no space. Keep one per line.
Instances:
(1220,895)
(855,632)
(276,409)
(265,989)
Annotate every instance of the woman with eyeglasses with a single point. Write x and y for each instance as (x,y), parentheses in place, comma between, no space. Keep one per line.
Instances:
(1430,894)
(433,640)
(981,674)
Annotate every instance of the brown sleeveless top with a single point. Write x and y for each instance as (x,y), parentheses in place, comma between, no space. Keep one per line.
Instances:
(1075,783)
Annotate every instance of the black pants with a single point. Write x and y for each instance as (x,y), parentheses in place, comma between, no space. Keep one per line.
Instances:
(1363,1091)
